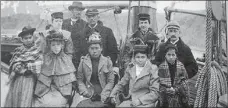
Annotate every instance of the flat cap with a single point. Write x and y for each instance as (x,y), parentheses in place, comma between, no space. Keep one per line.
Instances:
(144,16)
(92,12)
(57,15)
(173,24)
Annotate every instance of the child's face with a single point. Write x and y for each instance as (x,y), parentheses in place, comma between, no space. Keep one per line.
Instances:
(56,46)
(144,25)
(171,56)
(140,59)
(95,50)
(57,23)
(28,40)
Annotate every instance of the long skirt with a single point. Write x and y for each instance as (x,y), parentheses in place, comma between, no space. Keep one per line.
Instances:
(21,91)
(52,99)
(127,103)
(89,103)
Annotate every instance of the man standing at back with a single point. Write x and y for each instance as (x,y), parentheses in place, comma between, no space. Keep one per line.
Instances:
(184,53)
(75,25)
(108,39)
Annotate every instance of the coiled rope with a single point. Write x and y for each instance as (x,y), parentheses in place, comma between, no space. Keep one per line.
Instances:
(211,82)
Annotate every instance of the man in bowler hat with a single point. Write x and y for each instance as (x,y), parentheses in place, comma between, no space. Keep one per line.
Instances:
(75,25)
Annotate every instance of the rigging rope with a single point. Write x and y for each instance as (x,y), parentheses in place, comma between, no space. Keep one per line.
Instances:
(211,82)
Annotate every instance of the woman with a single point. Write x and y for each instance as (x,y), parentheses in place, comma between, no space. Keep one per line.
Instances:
(57,78)
(25,64)
(173,80)
(142,79)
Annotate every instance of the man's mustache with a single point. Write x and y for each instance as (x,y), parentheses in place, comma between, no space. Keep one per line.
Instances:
(173,36)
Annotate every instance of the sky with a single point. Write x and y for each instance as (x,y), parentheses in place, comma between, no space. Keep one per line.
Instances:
(189,5)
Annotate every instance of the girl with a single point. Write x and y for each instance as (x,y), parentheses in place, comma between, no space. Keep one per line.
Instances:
(173,80)
(25,64)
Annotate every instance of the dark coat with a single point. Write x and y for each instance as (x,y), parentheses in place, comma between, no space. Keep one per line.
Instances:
(148,36)
(76,34)
(184,55)
(108,41)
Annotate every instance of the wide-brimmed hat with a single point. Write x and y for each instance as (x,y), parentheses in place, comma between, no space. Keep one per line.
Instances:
(57,15)
(76,5)
(92,12)
(26,30)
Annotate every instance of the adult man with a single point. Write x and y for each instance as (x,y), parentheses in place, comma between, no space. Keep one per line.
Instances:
(75,25)
(108,40)
(57,21)
(184,53)
(95,75)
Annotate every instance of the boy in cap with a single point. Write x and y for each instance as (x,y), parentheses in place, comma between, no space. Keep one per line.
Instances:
(75,25)
(173,80)
(24,66)
(57,21)
(95,75)
(184,53)
(142,79)
(146,34)
(57,78)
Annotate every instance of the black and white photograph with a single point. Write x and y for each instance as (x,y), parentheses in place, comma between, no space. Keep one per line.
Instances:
(155,54)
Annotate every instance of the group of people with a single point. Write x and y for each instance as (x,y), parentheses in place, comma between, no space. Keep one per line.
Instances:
(74,61)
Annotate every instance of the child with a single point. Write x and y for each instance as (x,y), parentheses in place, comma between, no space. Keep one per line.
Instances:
(95,75)
(25,64)
(173,80)
(142,79)
(57,76)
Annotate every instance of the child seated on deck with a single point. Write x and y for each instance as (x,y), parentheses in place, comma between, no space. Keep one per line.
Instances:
(173,80)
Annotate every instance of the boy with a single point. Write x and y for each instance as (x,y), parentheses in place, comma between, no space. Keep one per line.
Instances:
(95,75)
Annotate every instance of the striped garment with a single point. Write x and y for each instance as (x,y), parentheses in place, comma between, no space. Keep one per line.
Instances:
(180,98)
(22,85)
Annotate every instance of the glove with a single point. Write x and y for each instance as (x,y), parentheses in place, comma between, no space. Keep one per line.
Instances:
(96,97)
(87,94)
(74,85)
(136,102)
(113,100)
(170,91)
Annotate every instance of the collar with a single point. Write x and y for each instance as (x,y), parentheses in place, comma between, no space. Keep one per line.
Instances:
(88,62)
(93,26)
(174,43)
(145,71)
(144,32)
(72,20)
